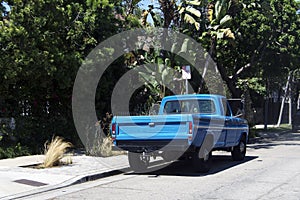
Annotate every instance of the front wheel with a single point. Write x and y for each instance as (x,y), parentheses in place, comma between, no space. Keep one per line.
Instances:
(238,153)
(138,162)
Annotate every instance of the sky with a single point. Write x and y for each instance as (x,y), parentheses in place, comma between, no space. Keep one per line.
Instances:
(6,6)
(144,5)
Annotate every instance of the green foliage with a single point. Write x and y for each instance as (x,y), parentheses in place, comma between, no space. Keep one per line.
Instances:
(268,32)
(189,13)
(254,43)
(43,45)
(13,151)
(256,84)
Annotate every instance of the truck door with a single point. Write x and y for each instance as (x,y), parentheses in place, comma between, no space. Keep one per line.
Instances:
(230,124)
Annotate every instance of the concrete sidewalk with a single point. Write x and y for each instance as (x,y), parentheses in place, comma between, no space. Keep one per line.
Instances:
(17,180)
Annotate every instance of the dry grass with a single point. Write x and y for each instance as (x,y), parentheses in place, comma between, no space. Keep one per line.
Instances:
(105,147)
(54,152)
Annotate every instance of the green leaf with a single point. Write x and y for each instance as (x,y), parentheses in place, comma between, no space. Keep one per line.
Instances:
(221,8)
(168,62)
(220,34)
(195,3)
(189,19)
(193,11)
(197,26)
(184,46)
(225,20)
(181,10)
(174,47)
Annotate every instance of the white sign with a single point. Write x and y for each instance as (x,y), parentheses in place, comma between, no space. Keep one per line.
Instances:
(186,72)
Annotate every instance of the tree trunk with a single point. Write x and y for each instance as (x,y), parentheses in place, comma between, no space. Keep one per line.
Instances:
(230,82)
(235,92)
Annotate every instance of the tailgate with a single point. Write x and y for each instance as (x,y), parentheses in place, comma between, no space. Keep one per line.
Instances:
(159,127)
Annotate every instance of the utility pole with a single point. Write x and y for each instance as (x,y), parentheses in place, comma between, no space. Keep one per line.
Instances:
(283,100)
(266,106)
(290,107)
(186,86)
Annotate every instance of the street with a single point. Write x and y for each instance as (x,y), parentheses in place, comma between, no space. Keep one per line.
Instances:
(271,170)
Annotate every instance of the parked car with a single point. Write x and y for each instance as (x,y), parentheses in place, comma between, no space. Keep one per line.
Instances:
(187,126)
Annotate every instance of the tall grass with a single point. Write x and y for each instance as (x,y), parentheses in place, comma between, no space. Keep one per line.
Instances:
(101,147)
(54,151)
(106,147)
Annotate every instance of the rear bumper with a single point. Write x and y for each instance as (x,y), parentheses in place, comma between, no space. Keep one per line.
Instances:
(151,145)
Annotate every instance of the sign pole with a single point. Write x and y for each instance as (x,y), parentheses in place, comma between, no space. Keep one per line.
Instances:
(186,74)
(186,86)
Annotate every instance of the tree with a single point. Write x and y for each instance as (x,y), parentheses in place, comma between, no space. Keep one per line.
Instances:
(253,43)
(43,44)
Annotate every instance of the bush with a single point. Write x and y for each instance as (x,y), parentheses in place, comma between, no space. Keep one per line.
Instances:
(14,151)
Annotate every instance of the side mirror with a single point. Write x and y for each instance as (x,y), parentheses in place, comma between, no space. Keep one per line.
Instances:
(237,116)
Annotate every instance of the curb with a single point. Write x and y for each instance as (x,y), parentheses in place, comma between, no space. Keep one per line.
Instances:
(73,181)
(260,138)
(94,177)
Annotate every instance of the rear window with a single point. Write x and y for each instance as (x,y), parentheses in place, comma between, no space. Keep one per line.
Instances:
(205,106)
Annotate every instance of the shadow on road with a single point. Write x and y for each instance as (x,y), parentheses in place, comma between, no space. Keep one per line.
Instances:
(266,140)
(269,140)
(184,168)
(270,145)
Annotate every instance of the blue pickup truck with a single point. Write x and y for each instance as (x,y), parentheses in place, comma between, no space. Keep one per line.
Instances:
(186,127)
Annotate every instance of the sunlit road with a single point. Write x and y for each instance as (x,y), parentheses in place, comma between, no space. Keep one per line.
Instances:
(270,171)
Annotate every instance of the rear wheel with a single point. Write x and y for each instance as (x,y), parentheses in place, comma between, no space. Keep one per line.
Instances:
(201,164)
(202,157)
(238,153)
(138,162)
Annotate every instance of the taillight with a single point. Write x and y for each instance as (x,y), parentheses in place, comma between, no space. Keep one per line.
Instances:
(113,131)
(190,137)
(190,128)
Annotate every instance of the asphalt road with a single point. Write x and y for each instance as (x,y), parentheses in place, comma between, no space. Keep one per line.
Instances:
(271,170)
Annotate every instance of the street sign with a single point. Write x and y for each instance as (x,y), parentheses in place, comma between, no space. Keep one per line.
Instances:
(186,72)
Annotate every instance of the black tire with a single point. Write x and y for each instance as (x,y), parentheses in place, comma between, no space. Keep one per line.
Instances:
(239,152)
(202,157)
(136,162)
(200,164)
